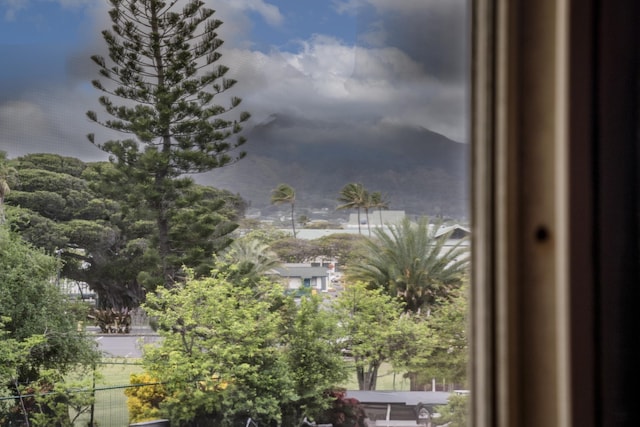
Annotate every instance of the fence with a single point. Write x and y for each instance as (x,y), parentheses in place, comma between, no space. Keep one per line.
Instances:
(106,402)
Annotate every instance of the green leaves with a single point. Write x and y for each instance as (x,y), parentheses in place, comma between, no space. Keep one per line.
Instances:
(214,329)
(156,57)
(30,306)
(413,262)
(249,351)
(369,319)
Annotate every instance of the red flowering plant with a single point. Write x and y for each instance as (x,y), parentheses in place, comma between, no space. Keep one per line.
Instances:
(344,411)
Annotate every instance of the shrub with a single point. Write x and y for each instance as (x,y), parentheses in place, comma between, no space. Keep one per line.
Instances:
(344,411)
(144,398)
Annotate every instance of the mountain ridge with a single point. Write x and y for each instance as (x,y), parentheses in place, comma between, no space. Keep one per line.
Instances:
(418,170)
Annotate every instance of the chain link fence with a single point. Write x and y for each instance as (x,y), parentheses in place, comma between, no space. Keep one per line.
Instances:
(100,405)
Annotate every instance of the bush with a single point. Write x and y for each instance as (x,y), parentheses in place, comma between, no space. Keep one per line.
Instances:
(144,398)
(344,411)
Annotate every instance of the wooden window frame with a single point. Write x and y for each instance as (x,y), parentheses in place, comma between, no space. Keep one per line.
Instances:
(555,212)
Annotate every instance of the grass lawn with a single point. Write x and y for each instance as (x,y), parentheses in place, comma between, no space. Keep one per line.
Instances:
(387,380)
(113,376)
(110,409)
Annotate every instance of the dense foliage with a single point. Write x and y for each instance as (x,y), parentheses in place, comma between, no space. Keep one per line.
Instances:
(39,337)
(233,349)
(435,345)
(412,262)
(455,413)
(70,208)
(370,322)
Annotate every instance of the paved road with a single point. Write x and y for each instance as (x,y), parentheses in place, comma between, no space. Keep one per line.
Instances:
(129,345)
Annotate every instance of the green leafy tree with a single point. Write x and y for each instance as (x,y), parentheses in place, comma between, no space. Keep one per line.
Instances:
(230,352)
(13,354)
(449,355)
(219,357)
(314,360)
(284,193)
(164,67)
(435,345)
(89,232)
(7,173)
(71,208)
(370,322)
(342,247)
(60,401)
(354,196)
(38,319)
(455,413)
(294,250)
(413,262)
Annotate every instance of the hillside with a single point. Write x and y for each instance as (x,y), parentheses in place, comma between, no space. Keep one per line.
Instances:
(420,171)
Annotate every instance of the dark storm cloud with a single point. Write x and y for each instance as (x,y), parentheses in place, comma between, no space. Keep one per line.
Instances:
(434,33)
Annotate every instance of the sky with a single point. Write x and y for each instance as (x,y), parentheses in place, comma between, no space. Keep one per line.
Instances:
(360,62)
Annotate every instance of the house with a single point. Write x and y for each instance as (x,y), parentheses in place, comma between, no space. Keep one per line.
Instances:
(388,217)
(457,232)
(400,408)
(300,277)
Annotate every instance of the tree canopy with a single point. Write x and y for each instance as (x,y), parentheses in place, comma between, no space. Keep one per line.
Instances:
(370,322)
(249,351)
(69,208)
(39,338)
(6,175)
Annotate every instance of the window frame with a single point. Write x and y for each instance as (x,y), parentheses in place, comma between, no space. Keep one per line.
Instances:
(555,155)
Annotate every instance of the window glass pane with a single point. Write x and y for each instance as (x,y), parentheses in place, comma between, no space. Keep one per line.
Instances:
(360,108)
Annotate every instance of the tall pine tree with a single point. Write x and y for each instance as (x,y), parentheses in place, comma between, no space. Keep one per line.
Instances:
(164,68)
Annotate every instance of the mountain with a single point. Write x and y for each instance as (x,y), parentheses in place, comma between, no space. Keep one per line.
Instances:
(419,171)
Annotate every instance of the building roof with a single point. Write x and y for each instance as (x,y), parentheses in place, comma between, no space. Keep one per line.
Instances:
(410,398)
(306,272)
(388,217)
(457,231)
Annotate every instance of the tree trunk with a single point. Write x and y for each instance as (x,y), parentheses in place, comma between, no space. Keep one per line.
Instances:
(293,222)
(368,378)
(164,248)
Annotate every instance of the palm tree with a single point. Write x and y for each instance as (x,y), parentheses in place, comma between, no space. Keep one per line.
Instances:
(366,205)
(284,193)
(380,202)
(412,262)
(252,257)
(354,196)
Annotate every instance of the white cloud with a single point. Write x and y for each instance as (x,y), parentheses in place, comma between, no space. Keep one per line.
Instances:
(346,6)
(328,80)
(270,13)
(324,80)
